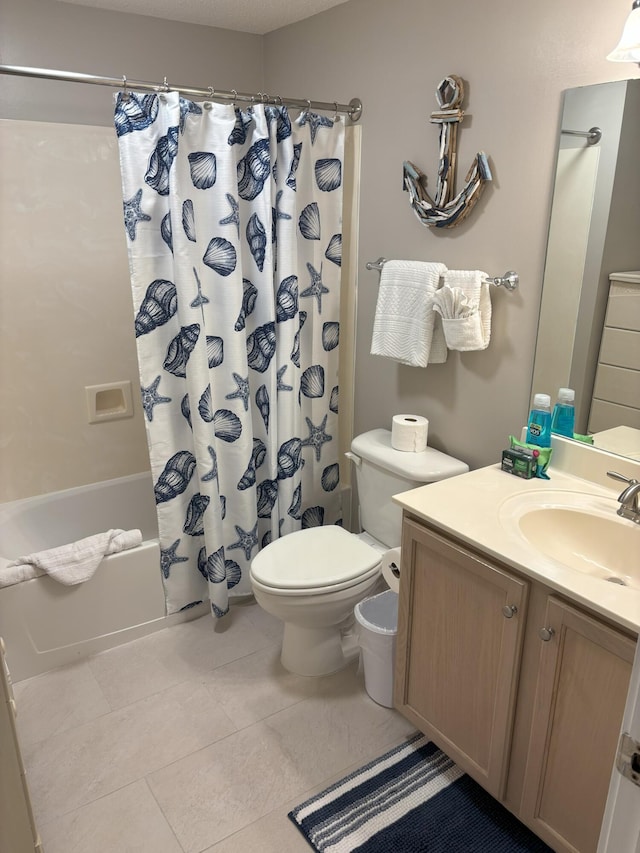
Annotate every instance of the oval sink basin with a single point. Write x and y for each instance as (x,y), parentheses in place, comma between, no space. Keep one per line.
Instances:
(585,541)
(581,532)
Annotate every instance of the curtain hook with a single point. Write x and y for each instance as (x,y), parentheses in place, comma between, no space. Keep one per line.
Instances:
(125,93)
(264,98)
(212,92)
(165,84)
(304,112)
(335,115)
(235,95)
(278,99)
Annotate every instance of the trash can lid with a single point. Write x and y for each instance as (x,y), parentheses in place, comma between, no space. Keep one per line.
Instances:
(379,613)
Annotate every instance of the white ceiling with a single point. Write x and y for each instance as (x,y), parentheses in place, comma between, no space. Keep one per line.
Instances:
(250,16)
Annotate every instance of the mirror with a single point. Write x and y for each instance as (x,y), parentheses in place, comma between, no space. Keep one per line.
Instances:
(589,328)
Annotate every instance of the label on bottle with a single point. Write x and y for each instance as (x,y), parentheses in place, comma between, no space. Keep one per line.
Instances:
(539,428)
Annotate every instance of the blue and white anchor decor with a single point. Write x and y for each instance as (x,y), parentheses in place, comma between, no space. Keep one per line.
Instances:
(233,223)
(447,208)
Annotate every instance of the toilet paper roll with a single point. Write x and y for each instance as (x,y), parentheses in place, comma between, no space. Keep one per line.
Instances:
(409,433)
(391,568)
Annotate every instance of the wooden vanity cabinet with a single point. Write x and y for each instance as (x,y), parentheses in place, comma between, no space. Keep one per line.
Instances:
(17,827)
(458,652)
(534,720)
(583,679)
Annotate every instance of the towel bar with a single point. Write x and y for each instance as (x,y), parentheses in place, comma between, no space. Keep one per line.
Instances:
(509,280)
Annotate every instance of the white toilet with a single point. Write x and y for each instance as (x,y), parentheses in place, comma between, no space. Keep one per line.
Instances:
(312,579)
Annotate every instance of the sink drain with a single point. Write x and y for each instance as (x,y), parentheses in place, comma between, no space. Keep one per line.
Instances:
(617,580)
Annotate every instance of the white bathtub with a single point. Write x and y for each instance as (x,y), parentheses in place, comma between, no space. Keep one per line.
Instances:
(46,624)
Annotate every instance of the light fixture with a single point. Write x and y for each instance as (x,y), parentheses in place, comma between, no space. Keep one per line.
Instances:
(628,49)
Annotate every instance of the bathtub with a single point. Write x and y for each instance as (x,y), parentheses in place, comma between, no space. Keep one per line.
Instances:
(45,624)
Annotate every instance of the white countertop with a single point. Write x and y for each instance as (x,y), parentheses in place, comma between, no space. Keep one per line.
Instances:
(623,440)
(471,507)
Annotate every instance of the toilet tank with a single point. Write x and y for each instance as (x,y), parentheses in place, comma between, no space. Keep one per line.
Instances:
(382,471)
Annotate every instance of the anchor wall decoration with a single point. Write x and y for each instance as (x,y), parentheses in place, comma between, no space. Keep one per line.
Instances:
(447,209)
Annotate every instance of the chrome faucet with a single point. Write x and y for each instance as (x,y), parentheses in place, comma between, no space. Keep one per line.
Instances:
(629,499)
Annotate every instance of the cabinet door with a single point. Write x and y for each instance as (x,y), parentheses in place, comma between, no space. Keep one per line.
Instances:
(17,828)
(458,652)
(582,686)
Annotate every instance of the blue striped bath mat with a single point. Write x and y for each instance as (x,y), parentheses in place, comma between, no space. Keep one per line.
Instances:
(413,799)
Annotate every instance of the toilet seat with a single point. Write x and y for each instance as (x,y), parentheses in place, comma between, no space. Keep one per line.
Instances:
(315,560)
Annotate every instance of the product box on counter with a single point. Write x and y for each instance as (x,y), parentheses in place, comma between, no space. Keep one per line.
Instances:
(522,463)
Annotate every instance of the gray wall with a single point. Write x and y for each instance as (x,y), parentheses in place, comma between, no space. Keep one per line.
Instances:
(516,59)
(63,257)
(50,34)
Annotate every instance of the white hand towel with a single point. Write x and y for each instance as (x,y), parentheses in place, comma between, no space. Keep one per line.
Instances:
(405,327)
(73,563)
(471,332)
(451,303)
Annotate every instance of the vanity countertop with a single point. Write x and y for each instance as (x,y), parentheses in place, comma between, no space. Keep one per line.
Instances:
(475,508)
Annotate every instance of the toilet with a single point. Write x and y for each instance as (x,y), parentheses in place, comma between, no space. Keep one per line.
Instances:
(313,578)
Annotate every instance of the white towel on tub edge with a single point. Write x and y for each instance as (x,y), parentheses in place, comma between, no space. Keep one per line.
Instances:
(73,563)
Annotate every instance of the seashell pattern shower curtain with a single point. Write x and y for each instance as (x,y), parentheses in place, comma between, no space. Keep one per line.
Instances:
(233,223)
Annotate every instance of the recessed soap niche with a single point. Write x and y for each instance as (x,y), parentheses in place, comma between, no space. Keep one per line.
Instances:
(109,402)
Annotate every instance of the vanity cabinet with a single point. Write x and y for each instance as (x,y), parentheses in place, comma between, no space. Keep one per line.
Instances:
(17,828)
(458,653)
(583,679)
(533,717)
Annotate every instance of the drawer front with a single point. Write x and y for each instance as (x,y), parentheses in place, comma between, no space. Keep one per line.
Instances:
(605,415)
(620,347)
(623,307)
(618,385)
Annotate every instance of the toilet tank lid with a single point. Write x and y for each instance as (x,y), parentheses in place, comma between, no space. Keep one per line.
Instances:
(428,466)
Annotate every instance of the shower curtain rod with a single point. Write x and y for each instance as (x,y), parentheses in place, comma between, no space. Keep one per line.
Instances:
(353,109)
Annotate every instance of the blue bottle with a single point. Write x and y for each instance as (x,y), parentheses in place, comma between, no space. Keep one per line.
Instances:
(539,426)
(563,417)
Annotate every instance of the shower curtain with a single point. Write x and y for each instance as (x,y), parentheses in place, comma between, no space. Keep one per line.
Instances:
(233,223)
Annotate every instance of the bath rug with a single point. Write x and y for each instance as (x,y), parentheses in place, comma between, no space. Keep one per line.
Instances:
(413,799)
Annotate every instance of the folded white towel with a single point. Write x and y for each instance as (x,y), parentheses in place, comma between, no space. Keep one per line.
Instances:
(73,563)
(470,330)
(405,327)
(452,303)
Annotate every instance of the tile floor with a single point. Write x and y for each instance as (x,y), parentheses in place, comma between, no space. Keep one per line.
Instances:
(191,739)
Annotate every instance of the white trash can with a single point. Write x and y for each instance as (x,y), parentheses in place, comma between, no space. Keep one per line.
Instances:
(377,619)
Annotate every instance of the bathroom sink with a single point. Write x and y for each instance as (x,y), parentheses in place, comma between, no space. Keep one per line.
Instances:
(580,532)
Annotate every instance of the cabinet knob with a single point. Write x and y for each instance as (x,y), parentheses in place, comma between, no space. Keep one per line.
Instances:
(546,634)
(509,611)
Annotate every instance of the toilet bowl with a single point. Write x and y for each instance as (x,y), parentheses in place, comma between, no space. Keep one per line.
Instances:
(313,578)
